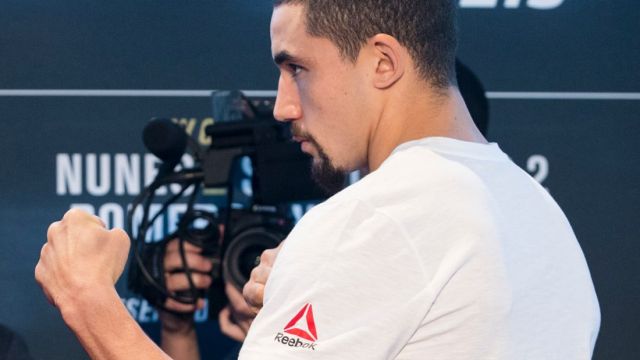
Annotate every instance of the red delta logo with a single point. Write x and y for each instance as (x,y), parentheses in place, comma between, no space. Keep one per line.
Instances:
(303,326)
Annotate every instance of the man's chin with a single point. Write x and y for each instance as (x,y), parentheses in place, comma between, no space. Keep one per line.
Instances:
(329,178)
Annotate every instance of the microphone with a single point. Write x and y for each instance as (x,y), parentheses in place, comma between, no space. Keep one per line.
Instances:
(166,140)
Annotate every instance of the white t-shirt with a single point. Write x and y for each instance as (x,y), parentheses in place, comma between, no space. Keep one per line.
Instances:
(447,251)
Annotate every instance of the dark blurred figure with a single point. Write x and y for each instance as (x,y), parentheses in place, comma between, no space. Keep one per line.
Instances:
(12,347)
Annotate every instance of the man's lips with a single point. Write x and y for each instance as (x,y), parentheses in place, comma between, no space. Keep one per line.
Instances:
(305,145)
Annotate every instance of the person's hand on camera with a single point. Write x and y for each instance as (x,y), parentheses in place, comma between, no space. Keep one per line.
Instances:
(178,328)
(176,280)
(236,318)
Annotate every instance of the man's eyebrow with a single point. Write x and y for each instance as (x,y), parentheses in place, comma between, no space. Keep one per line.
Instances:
(284,56)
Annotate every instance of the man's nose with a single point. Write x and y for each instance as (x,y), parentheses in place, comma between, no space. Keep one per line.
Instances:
(287,106)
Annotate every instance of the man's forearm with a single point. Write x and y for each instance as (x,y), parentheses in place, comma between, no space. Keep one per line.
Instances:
(105,328)
(180,345)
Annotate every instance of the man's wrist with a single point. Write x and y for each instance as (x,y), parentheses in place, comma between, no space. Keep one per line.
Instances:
(177,324)
(78,309)
(178,336)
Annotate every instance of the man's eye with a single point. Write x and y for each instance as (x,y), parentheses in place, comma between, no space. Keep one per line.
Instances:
(295,69)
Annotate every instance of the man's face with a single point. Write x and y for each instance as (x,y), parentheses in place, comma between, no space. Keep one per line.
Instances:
(322,94)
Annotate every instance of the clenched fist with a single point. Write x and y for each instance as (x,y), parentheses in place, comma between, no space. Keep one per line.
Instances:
(80,255)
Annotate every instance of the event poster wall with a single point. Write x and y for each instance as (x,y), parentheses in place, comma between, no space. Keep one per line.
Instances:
(79,80)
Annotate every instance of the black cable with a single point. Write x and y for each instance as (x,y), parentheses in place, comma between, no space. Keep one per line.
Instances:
(185,265)
(188,179)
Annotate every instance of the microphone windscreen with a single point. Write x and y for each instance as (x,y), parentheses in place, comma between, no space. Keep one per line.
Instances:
(165,139)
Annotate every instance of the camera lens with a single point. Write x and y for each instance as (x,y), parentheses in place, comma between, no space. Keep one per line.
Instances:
(243,251)
(201,229)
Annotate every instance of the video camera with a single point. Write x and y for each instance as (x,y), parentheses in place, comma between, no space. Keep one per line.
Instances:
(281,175)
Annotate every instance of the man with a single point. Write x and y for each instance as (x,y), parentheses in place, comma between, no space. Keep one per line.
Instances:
(445,250)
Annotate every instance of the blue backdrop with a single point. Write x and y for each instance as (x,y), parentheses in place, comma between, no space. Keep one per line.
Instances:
(562,77)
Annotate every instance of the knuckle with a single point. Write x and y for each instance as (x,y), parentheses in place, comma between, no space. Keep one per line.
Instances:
(246,292)
(170,282)
(261,275)
(191,248)
(259,295)
(202,281)
(52,229)
(254,274)
(72,214)
(99,220)
(194,260)
(167,263)
(42,251)
(38,273)
(121,236)
(172,246)
(174,282)
(251,294)
(222,317)
(265,256)
(171,255)
(204,263)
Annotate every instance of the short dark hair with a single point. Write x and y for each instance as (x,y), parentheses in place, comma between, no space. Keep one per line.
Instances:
(427,28)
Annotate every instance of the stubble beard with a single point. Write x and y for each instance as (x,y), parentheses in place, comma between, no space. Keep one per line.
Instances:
(329,178)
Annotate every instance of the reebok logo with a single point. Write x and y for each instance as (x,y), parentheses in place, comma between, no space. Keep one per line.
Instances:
(281,338)
(302,325)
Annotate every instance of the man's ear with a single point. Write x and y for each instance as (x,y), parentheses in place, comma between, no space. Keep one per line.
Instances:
(390,57)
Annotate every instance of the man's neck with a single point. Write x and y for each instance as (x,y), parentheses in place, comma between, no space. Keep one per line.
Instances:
(420,116)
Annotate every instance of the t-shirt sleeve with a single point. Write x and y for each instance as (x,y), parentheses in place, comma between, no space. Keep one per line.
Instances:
(347,284)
